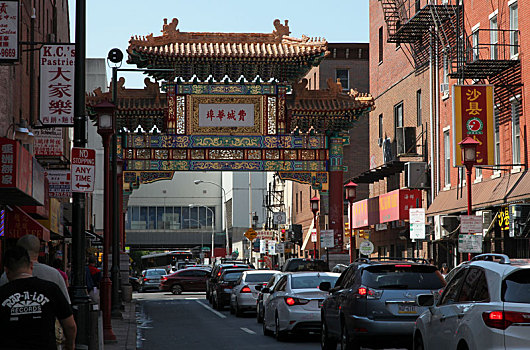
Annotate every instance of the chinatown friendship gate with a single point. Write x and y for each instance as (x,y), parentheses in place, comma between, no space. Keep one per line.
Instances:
(235,102)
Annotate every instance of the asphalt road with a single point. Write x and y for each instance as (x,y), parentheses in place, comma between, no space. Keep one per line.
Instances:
(167,321)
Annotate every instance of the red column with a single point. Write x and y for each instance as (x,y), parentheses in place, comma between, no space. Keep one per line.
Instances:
(336,215)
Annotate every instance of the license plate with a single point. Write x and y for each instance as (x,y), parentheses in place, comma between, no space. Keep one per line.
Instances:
(407,309)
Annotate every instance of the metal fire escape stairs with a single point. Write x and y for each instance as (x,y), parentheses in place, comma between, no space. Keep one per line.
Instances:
(274,200)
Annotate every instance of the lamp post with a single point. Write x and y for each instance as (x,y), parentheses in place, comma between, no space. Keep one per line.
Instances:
(351,193)
(212,255)
(314,208)
(196,182)
(469,158)
(116,215)
(105,121)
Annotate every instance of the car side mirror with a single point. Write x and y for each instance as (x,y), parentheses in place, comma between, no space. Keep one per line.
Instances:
(258,287)
(325,286)
(425,300)
(266,290)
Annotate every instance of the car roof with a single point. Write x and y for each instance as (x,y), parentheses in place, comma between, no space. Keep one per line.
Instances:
(312,273)
(254,272)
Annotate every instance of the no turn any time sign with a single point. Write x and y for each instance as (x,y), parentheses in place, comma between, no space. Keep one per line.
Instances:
(83,169)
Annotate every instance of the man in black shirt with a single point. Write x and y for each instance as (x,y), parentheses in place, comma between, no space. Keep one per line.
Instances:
(29,306)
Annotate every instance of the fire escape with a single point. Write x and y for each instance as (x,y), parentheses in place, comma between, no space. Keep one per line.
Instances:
(274,200)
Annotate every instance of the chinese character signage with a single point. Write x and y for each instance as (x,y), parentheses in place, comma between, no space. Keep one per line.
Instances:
(59,183)
(365,212)
(226,115)
(395,205)
(57,84)
(16,166)
(9,27)
(48,142)
(473,117)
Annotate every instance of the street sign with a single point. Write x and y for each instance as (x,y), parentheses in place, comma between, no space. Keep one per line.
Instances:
(366,248)
(417,231)
(280,248)
(470,224)
(83,169)
(251,234)
(327,239)
(272,247)
(417,215)
(314,235)
(470,243)
(279,218)
(262,246)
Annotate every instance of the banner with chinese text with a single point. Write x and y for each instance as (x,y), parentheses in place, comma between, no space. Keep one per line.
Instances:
(57,66)
(48,142)
(9,28)
(473,116)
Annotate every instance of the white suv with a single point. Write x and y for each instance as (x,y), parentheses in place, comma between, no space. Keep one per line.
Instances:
(486,305)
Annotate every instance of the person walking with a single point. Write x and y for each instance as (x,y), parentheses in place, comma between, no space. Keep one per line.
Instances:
(58,264)
(32,245)
(29,306)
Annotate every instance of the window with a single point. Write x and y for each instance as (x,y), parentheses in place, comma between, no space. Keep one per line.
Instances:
(496,138)
(398,115)
(452,290)
(343,76)
(417,5)
(446,70)
(315,81)
(380,44)
(514,27)
(296,201)
(447,159)
(474,42)
(516,132)
(301,202)
(516,287)
(494,38)
(418,108)
(380,126)
(474,287)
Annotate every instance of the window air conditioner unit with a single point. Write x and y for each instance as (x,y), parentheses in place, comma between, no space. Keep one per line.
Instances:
(387,151)
(416,175)
(444,225)
(444,88)
(406,140)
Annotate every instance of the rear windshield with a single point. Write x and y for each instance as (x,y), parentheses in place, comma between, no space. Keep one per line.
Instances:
(305,282)
(155,272)
(307,265)
(516,287)
(403,276)
(258,277)
(232,276)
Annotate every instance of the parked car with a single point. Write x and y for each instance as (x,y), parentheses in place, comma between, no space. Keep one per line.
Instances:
(187,280)
(294,303)
(339,268)
(216,273)
(150,279)
(300,264)
(134,282)
(245,292)
(373,304)
(222,288)
(263,297)
(486,305)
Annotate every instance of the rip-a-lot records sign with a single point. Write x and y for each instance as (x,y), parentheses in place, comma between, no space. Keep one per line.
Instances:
(57,68)
(473,116)
(9,31)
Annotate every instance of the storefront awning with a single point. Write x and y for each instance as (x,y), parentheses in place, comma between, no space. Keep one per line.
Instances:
(381,172)
(19,224)
(492,192)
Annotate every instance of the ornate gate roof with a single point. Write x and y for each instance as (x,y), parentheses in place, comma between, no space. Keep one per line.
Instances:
(269,55)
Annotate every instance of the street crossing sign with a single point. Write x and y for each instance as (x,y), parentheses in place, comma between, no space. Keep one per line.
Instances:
(83,169)
(251,234)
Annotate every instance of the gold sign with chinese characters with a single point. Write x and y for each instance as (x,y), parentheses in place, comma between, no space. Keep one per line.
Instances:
(225,115)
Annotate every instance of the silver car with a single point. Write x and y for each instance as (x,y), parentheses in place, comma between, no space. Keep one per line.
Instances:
(294,303)
(263,297)
(151,279)
(244,294)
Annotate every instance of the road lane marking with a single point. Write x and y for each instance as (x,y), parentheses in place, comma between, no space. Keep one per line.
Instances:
(212,310)
(249,331)
(191,298)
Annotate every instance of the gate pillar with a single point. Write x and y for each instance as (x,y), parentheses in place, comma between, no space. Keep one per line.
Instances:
(336,201)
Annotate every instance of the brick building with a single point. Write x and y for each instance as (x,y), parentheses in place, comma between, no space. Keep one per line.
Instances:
(414,63)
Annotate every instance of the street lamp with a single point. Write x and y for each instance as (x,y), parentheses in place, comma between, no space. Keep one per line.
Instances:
(314,208)
(196,182)
(469,158)
(105,122)
(212,254)
(351,193)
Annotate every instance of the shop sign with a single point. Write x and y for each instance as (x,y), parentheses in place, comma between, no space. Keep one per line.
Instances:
(266,234)
(9,31)
(365,212)
(395,205)
(15,166)
(20,224)
(48,142)
(469,243)
(473,117)
(57,66)
(226,115)
(59,183)
(503,219)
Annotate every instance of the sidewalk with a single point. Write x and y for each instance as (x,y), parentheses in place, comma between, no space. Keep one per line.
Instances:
(125,329)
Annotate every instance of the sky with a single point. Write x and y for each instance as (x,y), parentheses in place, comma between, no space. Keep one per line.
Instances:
(111,23)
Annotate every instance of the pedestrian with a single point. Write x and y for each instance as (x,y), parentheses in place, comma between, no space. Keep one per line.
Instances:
(444,270)
(29,306)
(57,264)
(32,244)
(95,273)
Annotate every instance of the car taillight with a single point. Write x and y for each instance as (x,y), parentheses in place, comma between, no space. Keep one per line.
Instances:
(295,301)
(164,278)
(246,289)
(504,319)
(146,279)
(218,273)
(369,293)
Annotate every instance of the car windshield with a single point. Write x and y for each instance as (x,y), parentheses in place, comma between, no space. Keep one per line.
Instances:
(232,276)
(306,282)
(307,265)
(258,277)
(516,287)
(155,272)
(402,276)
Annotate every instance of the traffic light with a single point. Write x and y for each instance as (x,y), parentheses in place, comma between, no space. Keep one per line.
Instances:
(282,236)
(346,229)
(297,234)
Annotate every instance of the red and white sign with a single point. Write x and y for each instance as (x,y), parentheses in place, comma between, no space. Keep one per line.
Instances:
(83,169)
(9,17)
(314,235)
(48,142)
(229,115)
(470,224)
(57,66)
(59,183)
